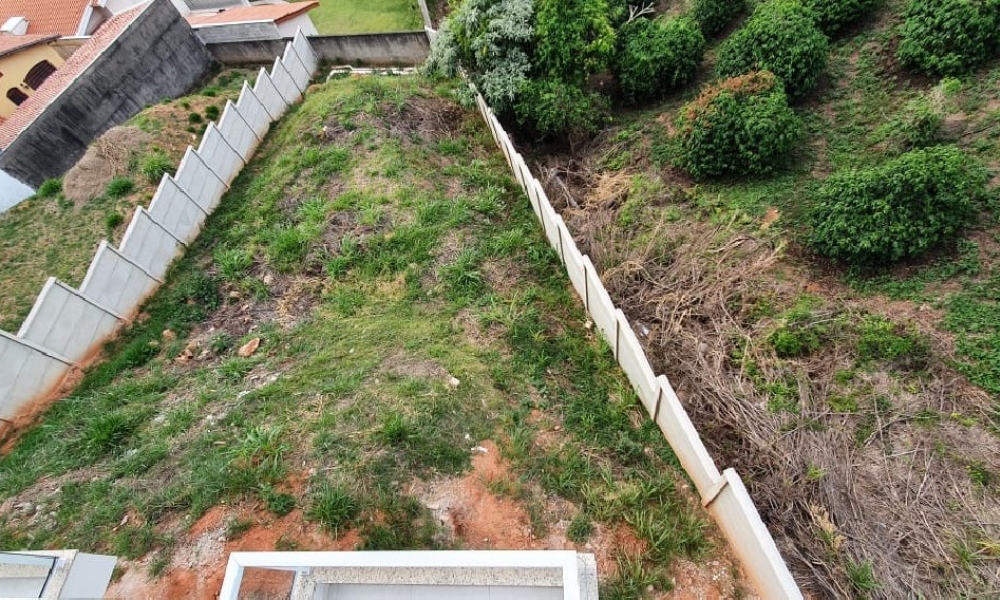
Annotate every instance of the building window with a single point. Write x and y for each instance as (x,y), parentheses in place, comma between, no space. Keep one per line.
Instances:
(38,74)
(16,96)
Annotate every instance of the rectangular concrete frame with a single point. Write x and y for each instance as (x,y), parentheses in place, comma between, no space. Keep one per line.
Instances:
(149,245)
(66,322)
(566,562)
(295,67)
(219,155)
(60,574)
(176,211)
(116,282)
(678,429)
(633,361)
(201,183)
(237,130)
(26,370)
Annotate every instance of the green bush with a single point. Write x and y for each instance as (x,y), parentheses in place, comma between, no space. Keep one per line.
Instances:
(50,188)
(833,15)
(113,220)
(779,37)
(211,112)
(949,36)
(897,210)
(194,118)
(657,56)
(716,15)
(574,39)
(119,187)
(742,126)
(552,108)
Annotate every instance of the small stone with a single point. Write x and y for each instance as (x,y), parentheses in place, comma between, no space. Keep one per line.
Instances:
(235,295)
(169,335)
(588,325)
(248,349)
(268,279)
(453,382)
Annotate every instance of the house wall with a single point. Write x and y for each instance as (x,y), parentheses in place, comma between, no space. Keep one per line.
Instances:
(408,48)
(13,68)
(239,32)
(156,57)
(288,28)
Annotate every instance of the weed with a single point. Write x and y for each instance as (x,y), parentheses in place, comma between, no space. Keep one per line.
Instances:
(237,526)
(154,166)
(50,188)
(579,529)
(194,118)
(158,564)
(212,112)
(113,220)
(862,578)
(332,506)
(278,503)
(632,579)
(119,187)
(233,263)
(395,429)
(133,542)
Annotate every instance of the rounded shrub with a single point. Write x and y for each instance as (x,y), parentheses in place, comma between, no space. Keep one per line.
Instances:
(716,15)
(949,37)
(833,15)
(901,209)
(742,126)
(780,37)
(656,56)
(552,108)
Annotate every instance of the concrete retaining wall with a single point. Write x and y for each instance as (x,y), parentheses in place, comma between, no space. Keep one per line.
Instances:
(66,325)
(156,57)
(408,48)
(723,494)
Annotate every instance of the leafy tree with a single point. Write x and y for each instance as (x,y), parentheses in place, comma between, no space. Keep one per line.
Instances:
(716,15)
(657,56)
(897,210)
(575,39)
(782,38)
(551,108)
(742,126)
(949,37)
(493,41)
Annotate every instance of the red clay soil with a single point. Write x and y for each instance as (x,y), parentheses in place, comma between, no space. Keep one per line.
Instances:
(477,518)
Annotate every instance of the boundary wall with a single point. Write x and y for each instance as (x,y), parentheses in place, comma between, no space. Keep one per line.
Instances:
(67,326)
(723,494)
(404,48)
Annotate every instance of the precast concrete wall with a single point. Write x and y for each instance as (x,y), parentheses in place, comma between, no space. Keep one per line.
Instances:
(723,494)
(157,56)
(65,325)
(408,49)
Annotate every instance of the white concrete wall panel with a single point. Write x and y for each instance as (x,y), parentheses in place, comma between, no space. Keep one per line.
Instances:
(237,131)
(519,168)
(117,283)
(172,208)
(25,372)
(284,83)
(602,309)
(149,245)
(738,518)
(577,271)
(305,50)
(201,183)
(253,111)
(295,67)
(269,95)
(219,155)
(633,361)
(680,433)
(65,322)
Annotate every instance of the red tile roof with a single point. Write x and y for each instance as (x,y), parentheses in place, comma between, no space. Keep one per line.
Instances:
(244,14)
(9,44)
(46,17)
(71,69)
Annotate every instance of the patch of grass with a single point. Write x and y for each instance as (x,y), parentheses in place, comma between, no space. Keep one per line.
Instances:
(332,506)
(579,529)
(861,577)
(376,16)
(237,526)
(120,187)
(50,188)
(154,166)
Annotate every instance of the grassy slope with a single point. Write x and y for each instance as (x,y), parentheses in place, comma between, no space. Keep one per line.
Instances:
(342,17)
(377,247)
(43,237)
(877,401)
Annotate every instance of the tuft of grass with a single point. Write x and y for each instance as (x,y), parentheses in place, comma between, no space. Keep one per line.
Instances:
(332,506)
(119,187)
(862,578)
(579,529)
(154,166)
(113,220)
(50,188)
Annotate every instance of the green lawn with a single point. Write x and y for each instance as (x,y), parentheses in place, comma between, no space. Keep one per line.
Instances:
(338,17)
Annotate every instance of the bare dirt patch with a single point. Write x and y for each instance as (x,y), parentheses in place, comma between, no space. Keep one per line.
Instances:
(109,157)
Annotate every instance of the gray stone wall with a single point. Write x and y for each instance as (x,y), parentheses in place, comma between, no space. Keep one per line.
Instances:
(157,57)
(407,48)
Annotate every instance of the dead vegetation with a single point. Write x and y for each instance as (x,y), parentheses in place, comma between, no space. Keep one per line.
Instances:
(873,472)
